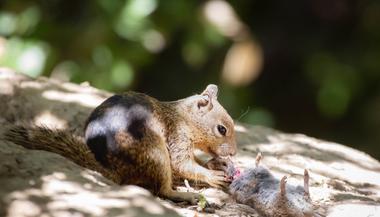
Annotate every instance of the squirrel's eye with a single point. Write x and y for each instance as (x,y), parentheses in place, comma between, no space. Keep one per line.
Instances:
(222,130)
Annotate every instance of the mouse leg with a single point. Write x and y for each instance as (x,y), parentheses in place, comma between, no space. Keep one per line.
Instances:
(258,159)
(283,185)
(306,178)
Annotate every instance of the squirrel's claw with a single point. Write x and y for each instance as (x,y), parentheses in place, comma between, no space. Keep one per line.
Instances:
(218,179)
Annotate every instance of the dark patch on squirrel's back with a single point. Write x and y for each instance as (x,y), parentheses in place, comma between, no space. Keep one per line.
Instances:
(98,146)
(136,128)
(126,101)
(128,112)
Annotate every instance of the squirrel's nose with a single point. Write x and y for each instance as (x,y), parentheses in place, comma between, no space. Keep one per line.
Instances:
(234,151)
(229,149)
(233,148)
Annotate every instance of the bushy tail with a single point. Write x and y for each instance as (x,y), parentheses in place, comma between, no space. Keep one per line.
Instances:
(58,141)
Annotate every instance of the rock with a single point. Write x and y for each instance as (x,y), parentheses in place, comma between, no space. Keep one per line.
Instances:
(38,183)
(343,181)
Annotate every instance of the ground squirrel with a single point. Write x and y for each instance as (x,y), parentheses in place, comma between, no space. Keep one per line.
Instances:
(140,140)
(258,188)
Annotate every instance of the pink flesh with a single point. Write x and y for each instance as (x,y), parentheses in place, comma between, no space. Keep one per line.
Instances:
(237,173)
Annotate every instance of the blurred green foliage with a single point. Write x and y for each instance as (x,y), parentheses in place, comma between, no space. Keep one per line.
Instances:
(321,59)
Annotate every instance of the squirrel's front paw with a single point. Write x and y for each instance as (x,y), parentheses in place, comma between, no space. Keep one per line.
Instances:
(217,179)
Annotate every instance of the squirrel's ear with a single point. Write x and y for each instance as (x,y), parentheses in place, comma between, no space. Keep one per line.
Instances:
(212,91)
(208,95)
(204,101)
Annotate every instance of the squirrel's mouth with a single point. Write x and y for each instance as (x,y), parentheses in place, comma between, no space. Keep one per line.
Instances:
(222,155)
(225,157)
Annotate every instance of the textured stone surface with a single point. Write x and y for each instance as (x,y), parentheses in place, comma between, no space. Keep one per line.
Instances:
(37,183)
(343,181)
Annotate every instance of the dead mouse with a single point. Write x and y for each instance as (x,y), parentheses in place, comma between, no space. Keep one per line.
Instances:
(270,196)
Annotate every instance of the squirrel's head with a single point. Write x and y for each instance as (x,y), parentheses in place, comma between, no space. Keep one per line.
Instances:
(214,127)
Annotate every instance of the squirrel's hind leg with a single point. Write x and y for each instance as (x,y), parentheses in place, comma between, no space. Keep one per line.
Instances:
(148,165)
(165,178)
(177,196)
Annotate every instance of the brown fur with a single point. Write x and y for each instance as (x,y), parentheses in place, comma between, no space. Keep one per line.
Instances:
(150,154)
(61,142)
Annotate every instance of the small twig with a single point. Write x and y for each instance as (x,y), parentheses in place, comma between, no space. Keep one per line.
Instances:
(188,187)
